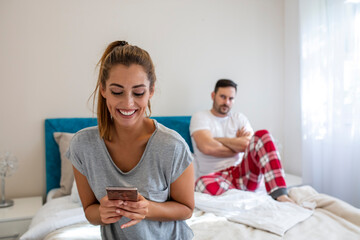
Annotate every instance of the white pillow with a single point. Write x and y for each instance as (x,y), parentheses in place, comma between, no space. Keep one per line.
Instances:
(67,175)
(75,194)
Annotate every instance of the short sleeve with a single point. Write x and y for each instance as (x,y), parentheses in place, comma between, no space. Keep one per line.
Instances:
(74,154)
(244,122)
(199,121)
(182,159)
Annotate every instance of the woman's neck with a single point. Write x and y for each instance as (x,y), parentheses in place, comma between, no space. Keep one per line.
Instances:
(136,132)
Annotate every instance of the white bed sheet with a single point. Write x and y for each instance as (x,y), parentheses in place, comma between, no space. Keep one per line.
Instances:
(332,219)
(54,214)
(253,209)
(63,218)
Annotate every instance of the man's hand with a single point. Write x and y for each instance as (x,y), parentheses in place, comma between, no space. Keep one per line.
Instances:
(243,133)
(209,145)
(222,147)
(239,143)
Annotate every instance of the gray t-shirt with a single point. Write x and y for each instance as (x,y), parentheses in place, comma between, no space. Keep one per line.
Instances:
(165,158)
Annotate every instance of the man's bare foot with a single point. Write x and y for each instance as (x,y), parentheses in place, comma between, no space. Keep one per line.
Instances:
(285,198)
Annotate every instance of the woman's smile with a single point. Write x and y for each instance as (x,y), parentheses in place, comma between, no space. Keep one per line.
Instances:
(127,94)
(127,112)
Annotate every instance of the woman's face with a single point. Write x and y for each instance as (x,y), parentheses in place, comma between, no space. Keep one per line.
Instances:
(127,93)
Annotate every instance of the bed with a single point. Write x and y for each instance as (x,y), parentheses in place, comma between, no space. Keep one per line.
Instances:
(233,215)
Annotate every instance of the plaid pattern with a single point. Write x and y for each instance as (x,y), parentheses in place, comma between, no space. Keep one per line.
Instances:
(260,159)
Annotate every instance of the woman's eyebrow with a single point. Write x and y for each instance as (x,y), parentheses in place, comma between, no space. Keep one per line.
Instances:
(136,86)
(116,85)
(140,85)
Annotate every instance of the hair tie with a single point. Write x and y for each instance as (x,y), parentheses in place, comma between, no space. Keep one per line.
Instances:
(123,43)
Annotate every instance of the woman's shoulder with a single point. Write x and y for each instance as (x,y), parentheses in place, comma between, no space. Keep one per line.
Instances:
(162,129)
(86,135)
(83,141)
(167,135)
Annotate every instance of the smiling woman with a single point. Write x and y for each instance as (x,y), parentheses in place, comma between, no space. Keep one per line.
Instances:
(127,101)
(124,151)
(122,61)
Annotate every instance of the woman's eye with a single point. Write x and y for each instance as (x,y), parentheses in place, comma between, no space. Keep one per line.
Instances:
(116,93)
(139,94)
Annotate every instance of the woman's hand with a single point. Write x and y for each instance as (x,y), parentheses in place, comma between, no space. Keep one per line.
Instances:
(108,209)
(136,211)
(111,211)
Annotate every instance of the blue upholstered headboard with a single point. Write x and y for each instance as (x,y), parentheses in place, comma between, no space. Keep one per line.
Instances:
(72,125)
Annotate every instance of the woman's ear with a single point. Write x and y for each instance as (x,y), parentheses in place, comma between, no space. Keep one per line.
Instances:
(152,91)
(102,91)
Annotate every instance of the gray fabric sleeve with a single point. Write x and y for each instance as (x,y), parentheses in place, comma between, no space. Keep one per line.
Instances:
(73,155)
(183,159)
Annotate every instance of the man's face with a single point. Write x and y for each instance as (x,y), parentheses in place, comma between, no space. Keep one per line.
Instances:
(223,100)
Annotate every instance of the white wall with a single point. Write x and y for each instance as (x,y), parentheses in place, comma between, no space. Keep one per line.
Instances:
(292,110)
(49,50)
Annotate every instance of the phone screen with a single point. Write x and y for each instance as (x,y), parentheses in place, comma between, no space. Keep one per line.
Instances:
(122,193)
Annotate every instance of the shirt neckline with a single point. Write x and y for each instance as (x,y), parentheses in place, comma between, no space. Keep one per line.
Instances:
(142,156)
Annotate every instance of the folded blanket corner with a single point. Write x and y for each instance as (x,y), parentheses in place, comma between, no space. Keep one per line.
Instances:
(256,210)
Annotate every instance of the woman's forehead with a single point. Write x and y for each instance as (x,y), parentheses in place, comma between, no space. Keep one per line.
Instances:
(128,75)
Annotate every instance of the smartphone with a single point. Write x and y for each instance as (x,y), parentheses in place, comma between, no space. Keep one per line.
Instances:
(122,193)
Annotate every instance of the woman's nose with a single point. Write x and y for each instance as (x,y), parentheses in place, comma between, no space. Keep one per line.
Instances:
(129,101)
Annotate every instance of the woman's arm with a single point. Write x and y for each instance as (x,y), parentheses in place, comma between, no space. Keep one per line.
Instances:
(179,207)
(95,213)
(182,203)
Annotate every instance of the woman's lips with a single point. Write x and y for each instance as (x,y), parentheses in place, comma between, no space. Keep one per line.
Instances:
(127,112)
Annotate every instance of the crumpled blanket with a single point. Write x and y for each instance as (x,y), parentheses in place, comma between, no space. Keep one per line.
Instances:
(254,209)
(53,215)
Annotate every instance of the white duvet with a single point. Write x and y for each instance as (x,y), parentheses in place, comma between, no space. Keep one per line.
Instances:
(55,214)
(257,210)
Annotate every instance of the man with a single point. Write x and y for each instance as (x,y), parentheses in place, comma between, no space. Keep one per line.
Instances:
(228,154)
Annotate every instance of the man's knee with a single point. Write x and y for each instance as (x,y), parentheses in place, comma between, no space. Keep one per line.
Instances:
(261,133)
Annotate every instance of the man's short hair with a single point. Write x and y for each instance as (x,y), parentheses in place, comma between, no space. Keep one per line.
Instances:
(225,83)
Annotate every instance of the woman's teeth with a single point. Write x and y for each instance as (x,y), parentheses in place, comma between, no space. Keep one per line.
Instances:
(127,113)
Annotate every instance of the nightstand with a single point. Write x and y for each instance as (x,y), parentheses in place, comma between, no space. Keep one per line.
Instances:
(15,220)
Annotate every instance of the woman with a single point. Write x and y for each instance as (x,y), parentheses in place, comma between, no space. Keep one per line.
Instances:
(129,149)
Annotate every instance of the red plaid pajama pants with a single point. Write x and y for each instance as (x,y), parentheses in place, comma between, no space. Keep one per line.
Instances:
(260,159)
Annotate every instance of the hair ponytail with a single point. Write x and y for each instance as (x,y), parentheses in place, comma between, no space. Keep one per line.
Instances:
(118,52)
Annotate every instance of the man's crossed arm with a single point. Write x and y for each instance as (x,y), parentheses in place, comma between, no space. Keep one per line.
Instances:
(221,147)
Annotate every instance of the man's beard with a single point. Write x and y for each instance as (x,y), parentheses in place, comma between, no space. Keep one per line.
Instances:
(220,110)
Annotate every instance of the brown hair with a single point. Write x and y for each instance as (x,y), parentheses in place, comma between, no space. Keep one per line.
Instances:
(118,52)
(225,83)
